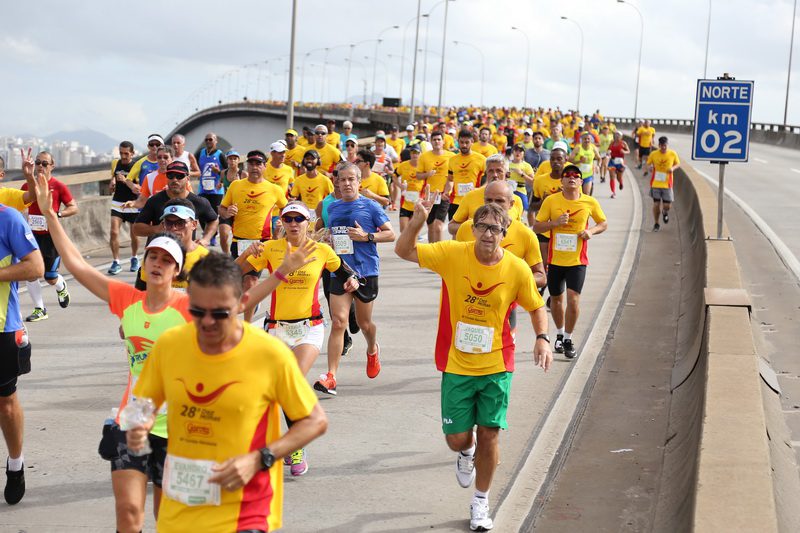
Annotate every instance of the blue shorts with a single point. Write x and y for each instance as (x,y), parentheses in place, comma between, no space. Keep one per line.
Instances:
(524,197)
(588,180)
(620,166)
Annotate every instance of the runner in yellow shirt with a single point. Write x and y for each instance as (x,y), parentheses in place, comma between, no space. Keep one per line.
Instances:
(333,138)
(586,156)
(662,164)
(483,146)
(294,151)
(521,174)
(475,347)
(410,184)
(645,135)
(395,141)
(225,381)
(311,187)
(606,138)
(567,214)
(373,185)
(328,155)
(465,170)
(278,173)
(434,168)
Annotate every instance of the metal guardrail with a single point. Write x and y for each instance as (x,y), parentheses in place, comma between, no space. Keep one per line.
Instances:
(688,123)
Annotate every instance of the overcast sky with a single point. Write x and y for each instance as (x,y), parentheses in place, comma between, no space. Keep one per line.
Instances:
(128,68)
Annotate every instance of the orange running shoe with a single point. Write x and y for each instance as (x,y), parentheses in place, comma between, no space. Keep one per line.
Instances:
(374,363)
(326,383)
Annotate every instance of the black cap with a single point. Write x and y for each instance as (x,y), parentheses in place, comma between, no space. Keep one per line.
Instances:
(178,167)
(415,148)
(571,166)
(257,155)
(519,146)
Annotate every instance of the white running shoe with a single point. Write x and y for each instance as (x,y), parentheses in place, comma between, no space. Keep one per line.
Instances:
(479,519)
(465,469)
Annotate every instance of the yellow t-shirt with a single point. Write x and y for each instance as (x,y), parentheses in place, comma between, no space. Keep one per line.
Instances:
(299,297)
(500,141)
(566,247)
(467,172)
(544,185)
(646,136)
(223,406)
(294,156)
(429,161)
(477,295)
(449,142)
(13,198)
(305,143)
(375,183)
(519,240)
(485,151)
(517,173)
(474,199)
(189,261)
(334,139)
(662,163)
(255,202)
(544,169)
(312,191)
(283,176)
(398,144)
(408,173)
(328,158)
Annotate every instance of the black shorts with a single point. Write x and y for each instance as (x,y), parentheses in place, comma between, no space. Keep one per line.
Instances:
(544,239)
(561,277)
(226,221)
(130,218)
(49,254)
(451,211)
(365,293)
(406,213)
(439,211)
(644,151)
(235,253)
(9,364)
(151,464)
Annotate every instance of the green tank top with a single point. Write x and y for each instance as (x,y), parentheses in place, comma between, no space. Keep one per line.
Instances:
(587,167)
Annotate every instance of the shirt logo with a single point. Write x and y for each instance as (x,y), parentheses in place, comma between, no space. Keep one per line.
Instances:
(255,194)
(310,190)
(205,399)
(140,344)
(481,291)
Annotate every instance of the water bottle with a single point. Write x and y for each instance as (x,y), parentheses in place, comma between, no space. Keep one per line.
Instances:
(139,412)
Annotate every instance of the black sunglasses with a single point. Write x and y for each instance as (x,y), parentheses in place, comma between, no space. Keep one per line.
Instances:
(44,164)
(154,144)
(216,314)
(175,176)
(296,218)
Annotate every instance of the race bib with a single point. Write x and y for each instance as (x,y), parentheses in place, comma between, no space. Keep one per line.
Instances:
(474,339)
(566,242)
(186,481)
(292,332)
(209,184)
(617,161)
(586,168)
(341,241)
(37,222)
(437,198)
(661,177)
(464,188)
(244,244)
(412,196)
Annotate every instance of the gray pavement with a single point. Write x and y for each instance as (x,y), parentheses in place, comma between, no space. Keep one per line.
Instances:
(382,466)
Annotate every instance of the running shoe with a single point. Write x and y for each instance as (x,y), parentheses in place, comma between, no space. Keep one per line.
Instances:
(602,179)
(465,469)
(569,349)
(374,362)
(479,519)
(621,185)
(299,463)
(63,297)
(558,347)
(666,217)
(348,344)
(15,485)
(656,226)
(134,264)
(37,315)
(326,383)
(115,268)
(213,240)
(613,195)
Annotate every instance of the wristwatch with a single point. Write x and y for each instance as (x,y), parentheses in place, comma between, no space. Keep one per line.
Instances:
(267,459)
(543,336)
(370,237)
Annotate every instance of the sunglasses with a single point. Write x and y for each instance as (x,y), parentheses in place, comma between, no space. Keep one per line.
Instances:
(44,164)
(296,218)
(175,176)
(209,140)
(320,133)
(494,229)
(572,176)
(154,144)
(216,314)
(358,161)
(179,223)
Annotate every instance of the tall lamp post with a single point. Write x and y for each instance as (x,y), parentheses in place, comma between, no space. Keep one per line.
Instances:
(789,75)
(639,68)
(441,70)
(527,64)
(414,67)
(290,98)
(580,63)
(375,62)
(708,37)
(403,55)
(483,63)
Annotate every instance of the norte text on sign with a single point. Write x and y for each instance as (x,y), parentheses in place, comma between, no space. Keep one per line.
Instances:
(722,120)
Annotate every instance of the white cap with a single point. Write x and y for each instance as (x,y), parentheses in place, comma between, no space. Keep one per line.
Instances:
(155,137)
(170,246)
(321,127)
(347,124)
(297,207)
(278,146)
(560,145)
(410,127)
(528,131)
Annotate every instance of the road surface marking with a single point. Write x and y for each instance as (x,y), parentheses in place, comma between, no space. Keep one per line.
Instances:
(760,160)
(795,170)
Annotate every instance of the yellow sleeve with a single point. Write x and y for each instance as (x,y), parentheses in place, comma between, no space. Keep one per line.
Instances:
(295,190)
(433,256)
(462,213)
(464,233)
(544,211)
(383,189)
(227,200)
(597,213)
(533,255)
(332,261)
(328,185)
(136,169)
(13,198)
(527,295)
(259,263)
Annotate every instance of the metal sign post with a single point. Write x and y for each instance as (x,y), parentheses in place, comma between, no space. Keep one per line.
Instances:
(722,127)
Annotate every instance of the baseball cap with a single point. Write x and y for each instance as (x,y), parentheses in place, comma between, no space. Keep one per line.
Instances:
(178,167)
(410,127)
(232,153)
(581,124)
(155,137)
(570,166)
(351,140)
(257,155)
(321,128)
(415,148)
(380,136)
(528,131)
(297,207)
(519,146)
(277,146)
(347,124)
(170,246)
(291,132)
(560,145)
(394,127)
(180,211)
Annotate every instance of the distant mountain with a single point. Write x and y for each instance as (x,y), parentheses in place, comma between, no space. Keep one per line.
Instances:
(99,142)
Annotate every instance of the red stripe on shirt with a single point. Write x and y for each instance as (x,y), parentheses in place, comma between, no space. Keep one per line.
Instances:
(266,231)
(257,494)
(315,308)
(508,340)
(444,338)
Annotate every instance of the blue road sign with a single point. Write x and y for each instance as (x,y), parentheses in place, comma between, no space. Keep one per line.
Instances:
(722,120)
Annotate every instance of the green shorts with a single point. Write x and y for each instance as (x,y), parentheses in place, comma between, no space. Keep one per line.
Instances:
(470,400)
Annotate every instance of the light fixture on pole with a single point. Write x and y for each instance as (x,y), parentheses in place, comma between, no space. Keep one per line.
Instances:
(639,68)
(527,64)
(483,63)
(580,63)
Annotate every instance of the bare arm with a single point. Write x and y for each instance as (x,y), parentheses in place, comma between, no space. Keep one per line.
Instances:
(542,355)
(539,274)
(406,245)
(194,168)
(29,267)
(70,209)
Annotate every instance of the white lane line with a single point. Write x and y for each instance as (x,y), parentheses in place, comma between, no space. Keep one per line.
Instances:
(760,160)
(795,170)
(783,251)
(515,507)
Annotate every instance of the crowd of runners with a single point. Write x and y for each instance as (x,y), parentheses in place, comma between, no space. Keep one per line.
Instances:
(497,203)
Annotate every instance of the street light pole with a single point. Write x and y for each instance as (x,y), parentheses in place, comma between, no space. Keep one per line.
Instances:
(708,36)
(290,99)
(639,68)
(414,68)
(403,55)
(375,62)
(427,17)
(441,70)
(527,64)
(580,62)
(483,64)
(789,75)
